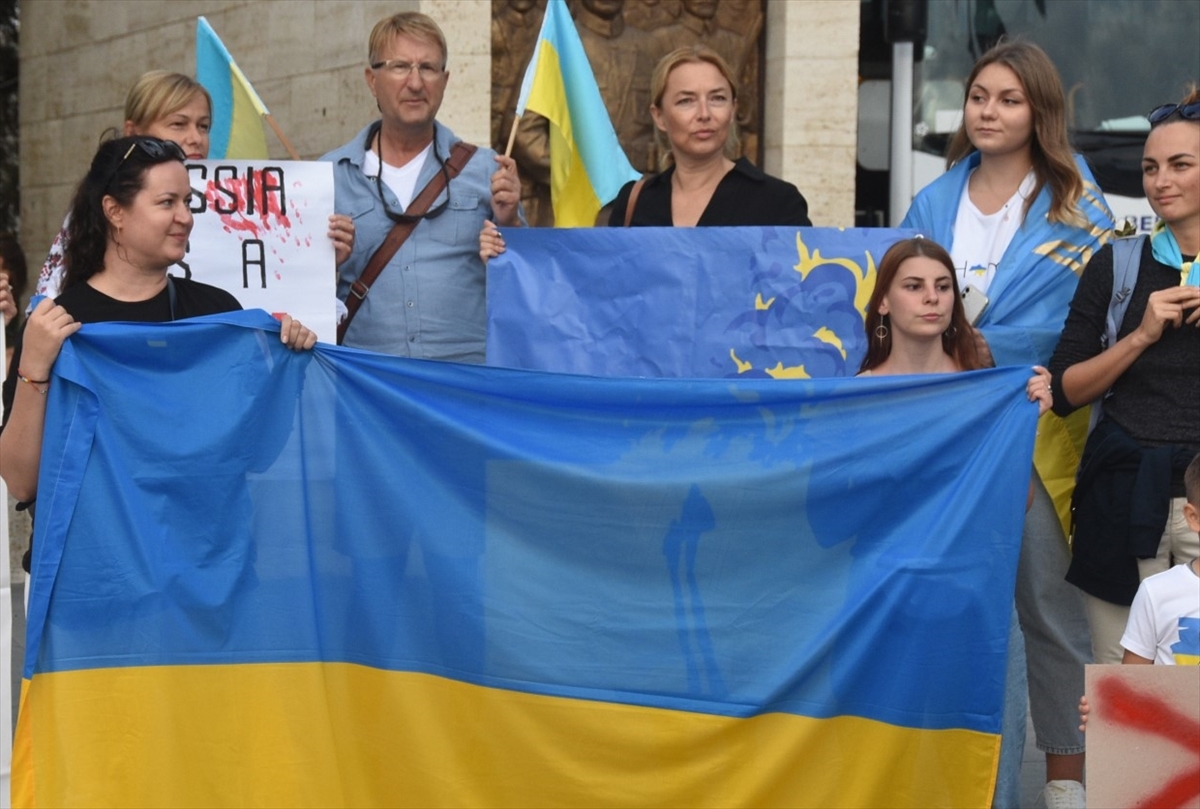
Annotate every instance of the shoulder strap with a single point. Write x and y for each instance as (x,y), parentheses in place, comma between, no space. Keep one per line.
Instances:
(633,198)
(1127,257)
(460,154)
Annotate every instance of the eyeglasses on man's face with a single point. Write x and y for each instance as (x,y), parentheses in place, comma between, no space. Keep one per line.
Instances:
(402,69)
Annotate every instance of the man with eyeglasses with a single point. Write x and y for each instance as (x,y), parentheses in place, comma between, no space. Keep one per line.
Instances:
(407,180)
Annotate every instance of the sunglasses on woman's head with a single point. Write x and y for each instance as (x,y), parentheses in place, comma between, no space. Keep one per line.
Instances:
(155,149)
(1189,112)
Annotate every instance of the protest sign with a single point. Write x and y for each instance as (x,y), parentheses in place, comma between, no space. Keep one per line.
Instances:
(260,234)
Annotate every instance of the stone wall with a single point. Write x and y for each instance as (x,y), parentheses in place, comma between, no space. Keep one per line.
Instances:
(811,101)
(306,59)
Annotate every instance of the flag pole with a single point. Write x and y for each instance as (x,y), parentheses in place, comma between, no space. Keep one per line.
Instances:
(283,138)
(512,136)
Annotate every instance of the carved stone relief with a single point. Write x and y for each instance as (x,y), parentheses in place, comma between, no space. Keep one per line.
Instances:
(623,39)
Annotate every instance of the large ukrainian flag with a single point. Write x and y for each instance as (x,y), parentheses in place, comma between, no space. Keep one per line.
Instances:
(587,164)
(237,121)
(336,578)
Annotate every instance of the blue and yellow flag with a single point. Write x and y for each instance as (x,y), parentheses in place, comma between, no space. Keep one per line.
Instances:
(781,302)
(587,164)
(237,131)
(1030,295)
(337,578)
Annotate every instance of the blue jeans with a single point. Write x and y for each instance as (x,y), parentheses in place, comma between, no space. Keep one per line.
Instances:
(1012,723)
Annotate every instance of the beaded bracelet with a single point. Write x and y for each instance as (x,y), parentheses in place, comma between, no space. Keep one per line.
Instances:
(33,383)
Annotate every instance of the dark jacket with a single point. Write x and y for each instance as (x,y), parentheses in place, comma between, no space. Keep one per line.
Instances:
(1121,503)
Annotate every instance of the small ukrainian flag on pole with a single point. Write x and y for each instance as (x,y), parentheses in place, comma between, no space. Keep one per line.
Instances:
(237,131)
(587,164)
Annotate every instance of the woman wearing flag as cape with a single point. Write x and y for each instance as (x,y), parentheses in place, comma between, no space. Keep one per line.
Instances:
(1021,215)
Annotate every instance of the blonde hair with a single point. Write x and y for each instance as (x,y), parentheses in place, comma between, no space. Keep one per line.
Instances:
(690,54)
(159,93)
(1053,162)
(409,23)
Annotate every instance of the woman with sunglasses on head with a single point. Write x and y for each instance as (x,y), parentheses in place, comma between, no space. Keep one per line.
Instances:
(1129,501)
(1020,215)
(129,222)
(176,108)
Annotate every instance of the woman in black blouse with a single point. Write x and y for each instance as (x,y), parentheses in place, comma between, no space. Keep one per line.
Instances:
(695,112)
(1129,496)
(695,120)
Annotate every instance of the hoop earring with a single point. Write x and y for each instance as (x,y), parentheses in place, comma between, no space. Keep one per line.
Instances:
(950,332)
(120,248)
(881,331)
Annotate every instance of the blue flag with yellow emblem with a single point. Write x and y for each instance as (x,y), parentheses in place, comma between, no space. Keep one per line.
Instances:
(781,302)
(336,578)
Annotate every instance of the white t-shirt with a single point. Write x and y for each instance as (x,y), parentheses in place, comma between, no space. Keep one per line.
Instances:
(402,180)
(1164,621)
(980,239)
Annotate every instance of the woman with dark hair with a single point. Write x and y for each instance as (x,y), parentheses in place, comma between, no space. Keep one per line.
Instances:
(129,222)
(1145,369)
(1020,215)
(13,277)
(916,324)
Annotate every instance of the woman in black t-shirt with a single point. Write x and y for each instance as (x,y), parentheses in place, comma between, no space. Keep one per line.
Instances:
(129,222)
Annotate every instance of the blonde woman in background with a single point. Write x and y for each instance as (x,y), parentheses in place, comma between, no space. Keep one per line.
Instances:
(176,108)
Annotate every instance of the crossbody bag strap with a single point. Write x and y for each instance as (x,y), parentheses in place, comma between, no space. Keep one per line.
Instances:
(633,198)
(460,154)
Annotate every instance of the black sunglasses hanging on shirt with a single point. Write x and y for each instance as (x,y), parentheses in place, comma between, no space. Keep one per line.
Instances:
(402,218)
